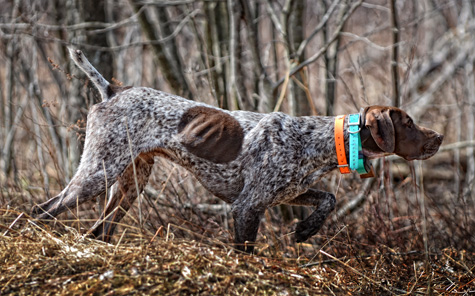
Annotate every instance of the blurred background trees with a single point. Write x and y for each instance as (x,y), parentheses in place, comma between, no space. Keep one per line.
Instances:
(302,57)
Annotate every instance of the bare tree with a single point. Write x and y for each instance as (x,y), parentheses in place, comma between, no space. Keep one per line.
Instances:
(300,57)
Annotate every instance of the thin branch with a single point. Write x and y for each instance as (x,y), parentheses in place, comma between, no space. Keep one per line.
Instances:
(104,27)
(457,146)
(232,89)
(274,18)
(135,173)
(357,201)
(395,55)
(282,93)
(357,272)
(75,27)
(317,55)
(174,34)
(470,126)
(317,29)
(8,144)
(420,104)
(367,41)
(163,3)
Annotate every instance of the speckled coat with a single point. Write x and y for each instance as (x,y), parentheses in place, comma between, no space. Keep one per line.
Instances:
(253,161)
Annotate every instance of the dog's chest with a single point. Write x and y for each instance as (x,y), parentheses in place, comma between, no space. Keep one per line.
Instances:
(284,156)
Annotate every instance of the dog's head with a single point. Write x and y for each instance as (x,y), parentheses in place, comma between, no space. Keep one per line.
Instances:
(389,130)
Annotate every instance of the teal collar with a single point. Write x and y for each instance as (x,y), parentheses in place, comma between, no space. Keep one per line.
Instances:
(357,159)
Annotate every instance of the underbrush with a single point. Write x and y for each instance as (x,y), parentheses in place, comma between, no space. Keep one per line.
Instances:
(415,238)
(57,260)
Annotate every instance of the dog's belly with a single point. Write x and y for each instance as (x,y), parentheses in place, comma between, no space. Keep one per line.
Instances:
(222,180)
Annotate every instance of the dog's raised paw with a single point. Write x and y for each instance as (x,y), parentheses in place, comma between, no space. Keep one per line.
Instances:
(302,233)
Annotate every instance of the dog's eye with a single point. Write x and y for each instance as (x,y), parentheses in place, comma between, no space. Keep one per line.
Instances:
(409,122)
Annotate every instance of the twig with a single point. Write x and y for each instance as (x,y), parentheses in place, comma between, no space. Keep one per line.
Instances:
(232,88)
(365,257)
(118,244)
(75,27)
(420,192)
(470,125)
(106,199)
(130,20)
(163,3)
(135,173)
(13,223)
(317,55)
(457,145)
(175,33)
(355,202)
(304,85)
(321,248)
(395,54)
(367,41)
(213,240)
(282,93)
(8,144)
(274,18)
(357,272)
(447,73)
(317,29)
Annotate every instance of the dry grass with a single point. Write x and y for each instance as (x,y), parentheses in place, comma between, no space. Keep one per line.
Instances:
(408,235)
(183,249)
(37,260)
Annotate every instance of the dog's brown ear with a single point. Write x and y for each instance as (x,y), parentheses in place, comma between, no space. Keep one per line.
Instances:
(210,134)
(380,124)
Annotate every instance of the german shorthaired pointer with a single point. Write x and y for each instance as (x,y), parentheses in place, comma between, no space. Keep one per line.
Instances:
(253,161)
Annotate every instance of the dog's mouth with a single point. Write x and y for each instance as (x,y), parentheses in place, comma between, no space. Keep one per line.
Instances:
(427,151)
(372,154)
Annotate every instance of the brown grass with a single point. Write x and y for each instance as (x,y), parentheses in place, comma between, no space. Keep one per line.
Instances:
(38,260)
(183,249)
(408,235)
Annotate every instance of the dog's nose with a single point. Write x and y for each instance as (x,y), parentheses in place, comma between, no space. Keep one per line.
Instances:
(440,138)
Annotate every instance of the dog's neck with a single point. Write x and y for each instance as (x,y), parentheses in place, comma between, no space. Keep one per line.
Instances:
(317,149)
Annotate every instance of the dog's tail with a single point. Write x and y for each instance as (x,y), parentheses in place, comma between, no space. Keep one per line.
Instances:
(100,82)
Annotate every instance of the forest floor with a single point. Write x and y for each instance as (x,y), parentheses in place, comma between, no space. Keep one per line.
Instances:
(36,260)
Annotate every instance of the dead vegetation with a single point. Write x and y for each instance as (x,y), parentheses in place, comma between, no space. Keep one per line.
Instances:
(36,260)
(410,230)
(378,249)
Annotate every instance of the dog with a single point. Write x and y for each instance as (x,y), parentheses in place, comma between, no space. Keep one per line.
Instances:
(250,160)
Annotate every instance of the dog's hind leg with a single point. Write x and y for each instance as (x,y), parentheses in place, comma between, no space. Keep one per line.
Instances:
(123,195)
(79,190)
(325,203)
(88,182)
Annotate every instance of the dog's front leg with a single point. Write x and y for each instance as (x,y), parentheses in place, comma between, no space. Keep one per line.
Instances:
(246,225)
(325,203)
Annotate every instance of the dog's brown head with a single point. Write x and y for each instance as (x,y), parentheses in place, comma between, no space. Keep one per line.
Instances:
(389,130)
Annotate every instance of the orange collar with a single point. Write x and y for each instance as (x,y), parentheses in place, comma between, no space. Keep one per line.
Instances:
(340,145)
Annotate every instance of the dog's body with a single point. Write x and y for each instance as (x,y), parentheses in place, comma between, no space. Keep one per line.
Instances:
(253,161)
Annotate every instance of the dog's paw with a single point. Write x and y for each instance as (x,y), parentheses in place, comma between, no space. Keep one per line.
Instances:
(44,211)
(36,211)
(303,232)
